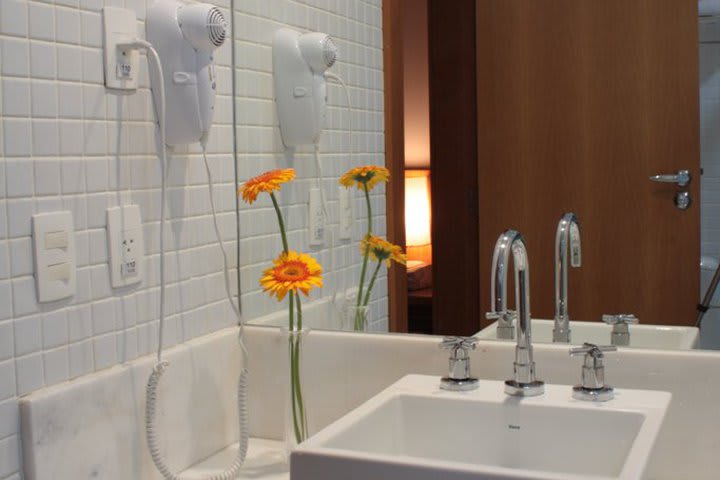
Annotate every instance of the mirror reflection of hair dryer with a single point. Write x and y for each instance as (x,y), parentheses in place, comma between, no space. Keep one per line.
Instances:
(299,65)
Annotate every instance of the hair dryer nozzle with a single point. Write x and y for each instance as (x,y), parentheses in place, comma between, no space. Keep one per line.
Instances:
(203,25)
(318,50)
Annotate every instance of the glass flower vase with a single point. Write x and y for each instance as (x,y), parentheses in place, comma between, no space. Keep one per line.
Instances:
(356,318)
(296,424)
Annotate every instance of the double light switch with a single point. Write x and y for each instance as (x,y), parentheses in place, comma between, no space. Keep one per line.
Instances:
(54,254)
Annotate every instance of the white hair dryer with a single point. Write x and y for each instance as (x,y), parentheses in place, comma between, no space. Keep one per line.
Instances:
(185,36)
(299,64)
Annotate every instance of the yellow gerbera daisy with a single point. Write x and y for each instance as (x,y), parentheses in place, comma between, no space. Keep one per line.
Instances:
(382,250)
(369,175)
(267,182)
(291,271)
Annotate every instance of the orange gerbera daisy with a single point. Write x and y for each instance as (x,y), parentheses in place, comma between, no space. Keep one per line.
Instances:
(369,175)
(267,182)
(382,250)
(291,271)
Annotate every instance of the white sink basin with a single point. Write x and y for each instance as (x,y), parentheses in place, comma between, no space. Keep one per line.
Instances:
(415,431)
(643,336)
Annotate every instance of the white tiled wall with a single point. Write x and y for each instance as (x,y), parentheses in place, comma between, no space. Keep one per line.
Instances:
(356,27)
(68,144)
(710,135)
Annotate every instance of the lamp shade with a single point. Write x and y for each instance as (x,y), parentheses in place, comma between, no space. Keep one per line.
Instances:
(417,207)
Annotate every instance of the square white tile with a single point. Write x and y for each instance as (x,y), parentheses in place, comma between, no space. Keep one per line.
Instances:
(17,137)
(56,365)
(21,256)
(44,99)
(16,97)
(70,101)
(105,351)
(55,329)
(28,334)
(7,347)
(47,176)
(73,175)
(15,57)
(9,418)
(21,172)
(29,372)
(80,323)
(14,17)
(19,215)
(46,141)
(24,299)
(42,21)
(43,60)
(81,358)
(67,23)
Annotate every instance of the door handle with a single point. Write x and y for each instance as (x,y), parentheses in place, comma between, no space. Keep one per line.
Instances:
(682,178)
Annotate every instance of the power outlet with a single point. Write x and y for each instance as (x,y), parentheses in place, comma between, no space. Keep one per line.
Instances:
(126,245)
(316,217)
(130,261)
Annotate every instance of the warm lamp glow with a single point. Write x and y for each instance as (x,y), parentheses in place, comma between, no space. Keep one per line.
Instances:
(417,208)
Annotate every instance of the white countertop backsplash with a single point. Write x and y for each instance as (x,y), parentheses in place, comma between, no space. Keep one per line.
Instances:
(93,427)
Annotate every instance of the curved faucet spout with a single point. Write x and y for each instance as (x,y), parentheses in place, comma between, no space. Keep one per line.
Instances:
(524,382)
(566,236)
(498,287)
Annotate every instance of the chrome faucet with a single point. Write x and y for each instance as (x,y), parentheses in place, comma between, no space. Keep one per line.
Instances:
(524,382)
(568,232)
(498,293)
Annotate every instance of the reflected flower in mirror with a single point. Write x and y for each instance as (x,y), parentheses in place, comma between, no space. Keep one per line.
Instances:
(366,178)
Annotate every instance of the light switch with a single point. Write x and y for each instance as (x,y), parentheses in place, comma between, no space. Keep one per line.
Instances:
(56,240)
(126,245)
(54,254)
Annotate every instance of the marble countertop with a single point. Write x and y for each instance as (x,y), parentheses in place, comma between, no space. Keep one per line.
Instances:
(265,460)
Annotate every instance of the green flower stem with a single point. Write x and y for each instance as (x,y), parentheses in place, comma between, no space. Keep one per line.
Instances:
(282,224)
(372,283)
(291,316)
(296,396)
(291,342)
(367,250)
(298,389)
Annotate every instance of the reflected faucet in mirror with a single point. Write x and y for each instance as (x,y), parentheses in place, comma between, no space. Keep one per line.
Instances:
(498,295)
(566,236)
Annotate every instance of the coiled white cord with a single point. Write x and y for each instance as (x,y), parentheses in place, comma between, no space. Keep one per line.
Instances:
(161,366)
(318,166)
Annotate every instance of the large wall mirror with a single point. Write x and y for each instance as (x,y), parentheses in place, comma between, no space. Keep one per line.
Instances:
(505,115)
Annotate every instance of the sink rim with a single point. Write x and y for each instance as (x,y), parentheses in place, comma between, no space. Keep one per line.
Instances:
(652,405)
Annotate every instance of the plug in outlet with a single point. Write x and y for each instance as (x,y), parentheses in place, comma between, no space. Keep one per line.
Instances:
(345,228)
(316,218)
(127,251)
(351,295)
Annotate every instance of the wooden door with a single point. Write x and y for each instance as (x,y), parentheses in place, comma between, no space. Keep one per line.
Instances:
(579,102)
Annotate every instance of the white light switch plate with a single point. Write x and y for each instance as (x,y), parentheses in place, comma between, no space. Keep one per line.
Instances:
(54,255)
(121,68)
(126,245)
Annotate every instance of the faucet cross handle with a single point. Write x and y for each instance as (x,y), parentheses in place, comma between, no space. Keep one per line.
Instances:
(620,334)
(620,318)
(457,344)
(593,351)
(593,387)
(459,377)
